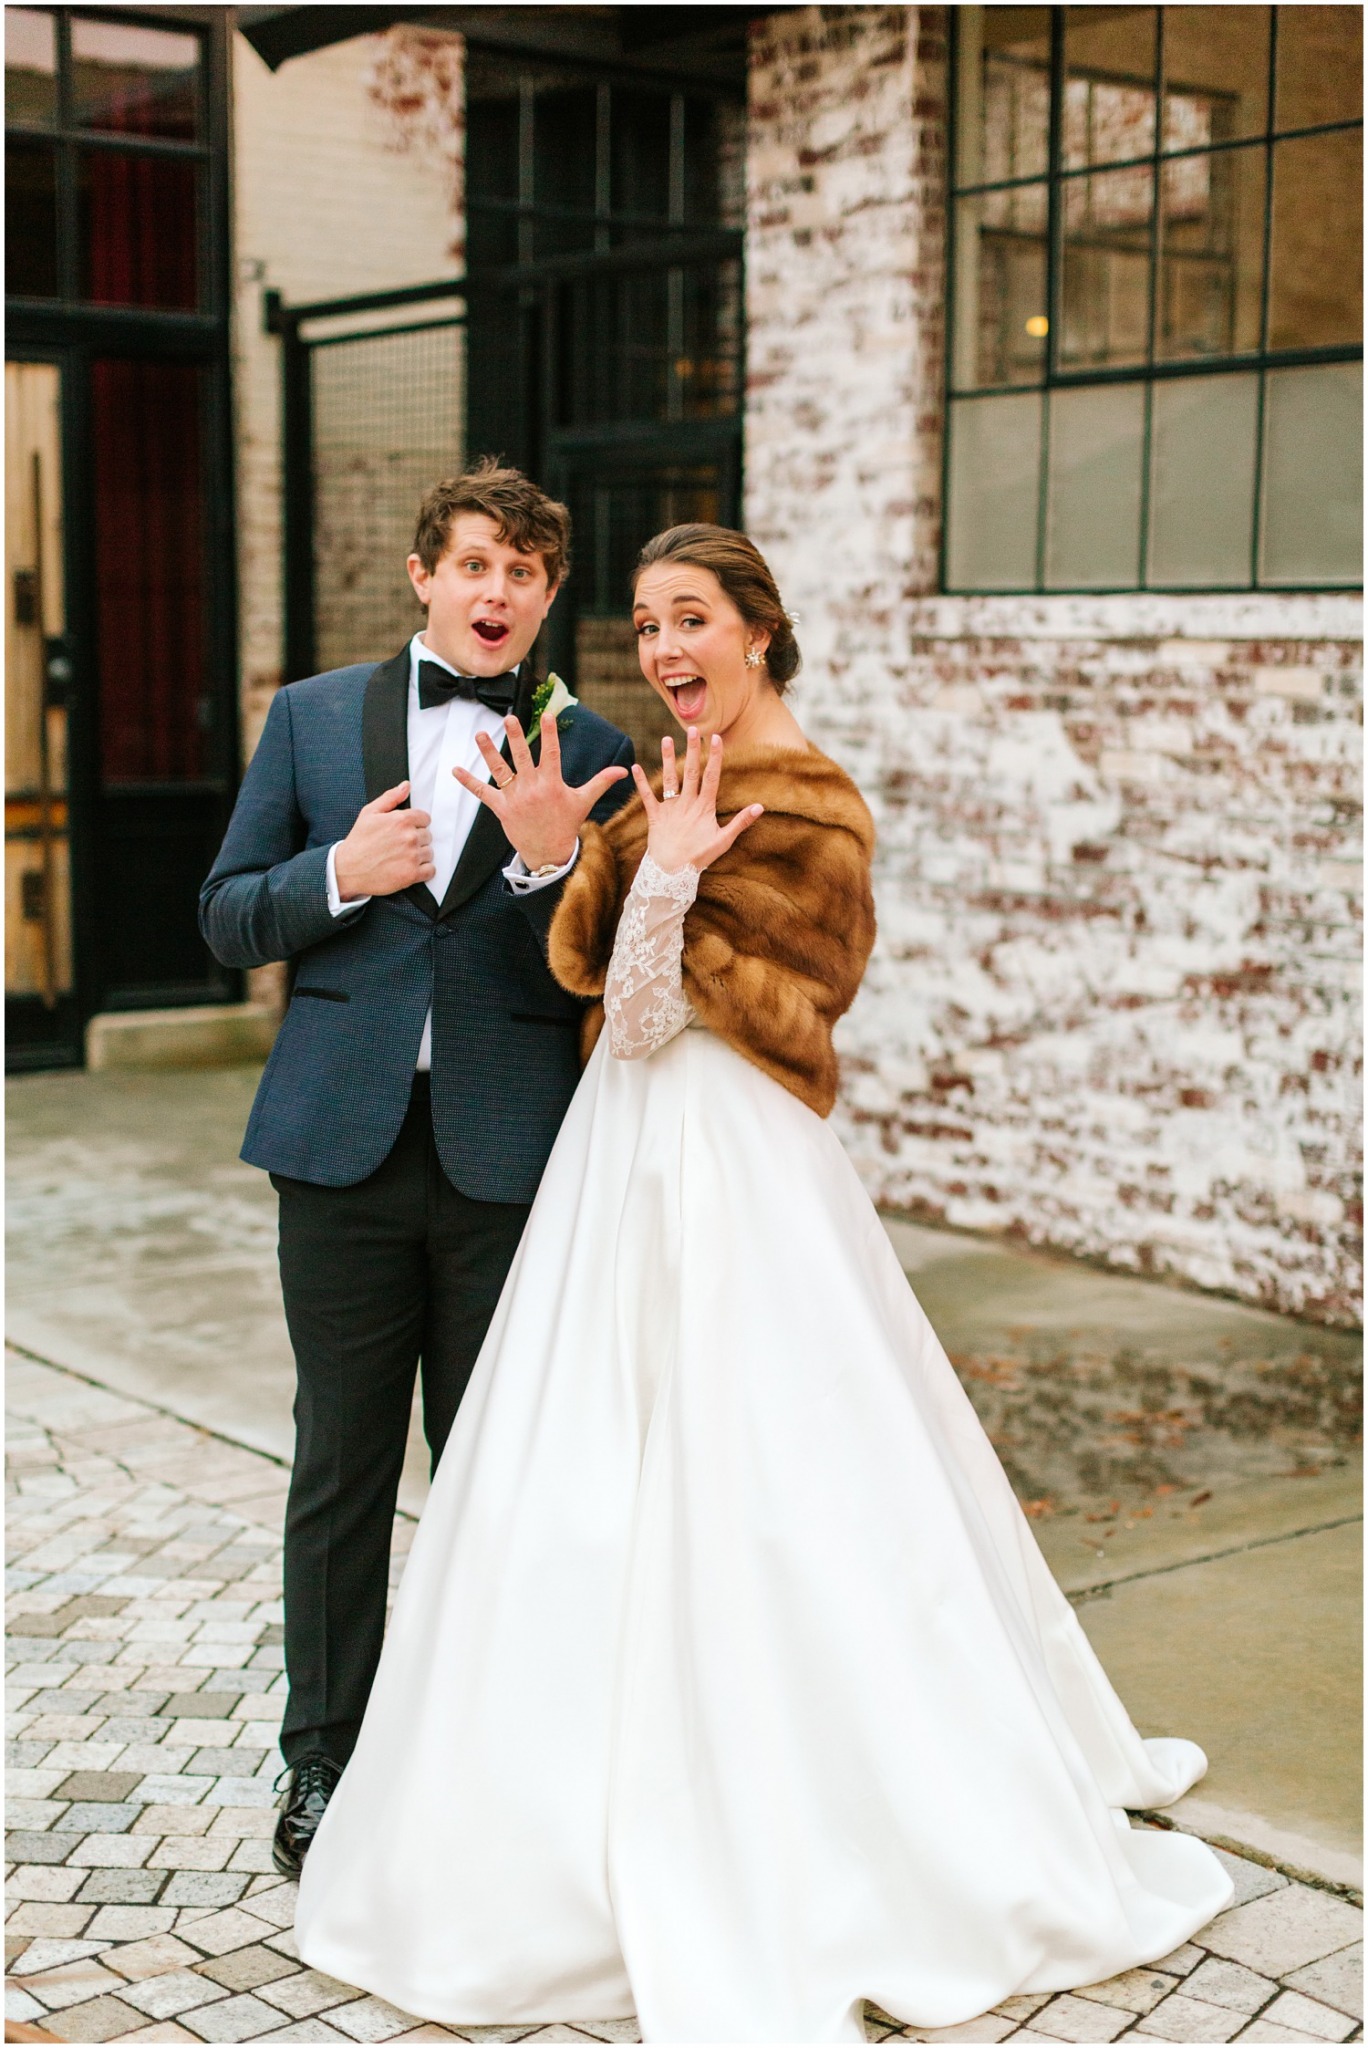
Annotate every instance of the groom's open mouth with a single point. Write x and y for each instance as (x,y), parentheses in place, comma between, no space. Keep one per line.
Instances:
(492,631)
(688,694)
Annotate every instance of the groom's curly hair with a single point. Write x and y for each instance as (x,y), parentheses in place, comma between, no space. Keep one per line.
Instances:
(524,516)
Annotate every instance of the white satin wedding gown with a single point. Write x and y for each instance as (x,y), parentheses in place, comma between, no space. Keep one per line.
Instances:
(726,1683)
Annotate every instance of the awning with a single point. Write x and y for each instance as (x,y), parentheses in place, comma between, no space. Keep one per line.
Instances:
(704,42)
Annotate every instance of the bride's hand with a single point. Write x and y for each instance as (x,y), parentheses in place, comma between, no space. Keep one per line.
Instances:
(682,823)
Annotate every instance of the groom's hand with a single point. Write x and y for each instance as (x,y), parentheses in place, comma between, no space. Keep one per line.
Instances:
(387,849)
(540,812)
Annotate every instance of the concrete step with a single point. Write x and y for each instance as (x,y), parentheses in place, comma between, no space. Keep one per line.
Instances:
(208,1035)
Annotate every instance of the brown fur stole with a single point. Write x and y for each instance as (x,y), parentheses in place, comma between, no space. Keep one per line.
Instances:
(777,941)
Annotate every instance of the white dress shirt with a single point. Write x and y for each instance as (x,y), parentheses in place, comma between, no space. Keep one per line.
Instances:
(440,739)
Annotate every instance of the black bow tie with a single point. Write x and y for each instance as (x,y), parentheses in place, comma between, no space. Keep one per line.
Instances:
(437,685)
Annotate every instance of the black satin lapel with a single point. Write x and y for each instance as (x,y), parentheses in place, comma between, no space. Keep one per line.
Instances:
(384,726)
(485,850)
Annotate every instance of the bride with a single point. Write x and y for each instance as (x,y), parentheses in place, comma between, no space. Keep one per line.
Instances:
(726,1684)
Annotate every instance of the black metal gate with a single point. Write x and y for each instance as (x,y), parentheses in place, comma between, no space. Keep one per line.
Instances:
(613,378)
(373,413)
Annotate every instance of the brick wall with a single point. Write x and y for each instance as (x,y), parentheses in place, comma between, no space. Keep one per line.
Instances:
(1113,1006)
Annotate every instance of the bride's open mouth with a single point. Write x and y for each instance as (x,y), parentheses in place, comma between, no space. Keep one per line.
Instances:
(492,631)
(688,694)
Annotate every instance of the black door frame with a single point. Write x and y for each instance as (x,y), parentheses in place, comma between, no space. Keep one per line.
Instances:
(74,334)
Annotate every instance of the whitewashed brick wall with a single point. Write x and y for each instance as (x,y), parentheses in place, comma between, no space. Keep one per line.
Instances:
(1113,1007)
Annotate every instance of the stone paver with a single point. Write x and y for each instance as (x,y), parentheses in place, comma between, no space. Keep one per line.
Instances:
(1285,1930)
(144,1690)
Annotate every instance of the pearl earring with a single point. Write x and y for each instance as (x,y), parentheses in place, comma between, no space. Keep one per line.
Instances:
(753,658)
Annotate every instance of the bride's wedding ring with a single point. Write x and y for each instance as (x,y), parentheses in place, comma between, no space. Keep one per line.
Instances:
(666,794)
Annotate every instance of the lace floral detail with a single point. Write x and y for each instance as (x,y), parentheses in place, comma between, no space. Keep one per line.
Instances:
(643,999)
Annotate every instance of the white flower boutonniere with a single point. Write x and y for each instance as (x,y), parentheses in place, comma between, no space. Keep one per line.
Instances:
(552,696)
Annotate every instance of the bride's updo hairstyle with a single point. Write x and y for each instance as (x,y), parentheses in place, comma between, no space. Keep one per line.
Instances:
(744,574)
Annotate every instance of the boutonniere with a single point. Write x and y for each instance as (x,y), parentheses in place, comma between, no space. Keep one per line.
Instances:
(552,696)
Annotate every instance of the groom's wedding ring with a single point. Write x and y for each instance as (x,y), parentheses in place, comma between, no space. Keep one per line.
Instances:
(506,780)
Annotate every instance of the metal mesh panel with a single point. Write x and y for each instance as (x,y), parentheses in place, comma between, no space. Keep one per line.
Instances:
(388,413)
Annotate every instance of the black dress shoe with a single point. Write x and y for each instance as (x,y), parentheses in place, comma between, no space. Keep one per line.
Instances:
(311,1784)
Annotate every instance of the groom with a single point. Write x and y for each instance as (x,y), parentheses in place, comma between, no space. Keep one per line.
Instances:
(426,1058)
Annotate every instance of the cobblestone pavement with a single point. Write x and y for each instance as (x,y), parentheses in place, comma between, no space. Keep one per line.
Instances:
(144,1693)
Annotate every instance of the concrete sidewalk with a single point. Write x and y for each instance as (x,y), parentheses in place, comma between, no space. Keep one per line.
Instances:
(1189,1464)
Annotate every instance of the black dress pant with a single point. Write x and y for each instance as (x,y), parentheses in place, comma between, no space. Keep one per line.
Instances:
(400,1267)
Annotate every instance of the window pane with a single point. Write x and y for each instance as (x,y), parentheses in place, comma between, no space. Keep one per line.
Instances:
(1211,272)
(30,66)
(1092,529)
(707,375)
(715,162)
(30,219)
(491,130)
(994,492)
(1003,112)
(491,163)
(1215,74)
(1000,288)
(1105,271)
(149,570)
(650,345)
(1313,478)
(1203,436)
(137,229)
(1109,62)
(134,81)
(1316,296)
(641,153)
(622,369)
(1320,66)
(563,178)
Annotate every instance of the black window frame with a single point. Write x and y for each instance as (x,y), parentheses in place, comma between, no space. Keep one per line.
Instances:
(1259,360)
(70,139)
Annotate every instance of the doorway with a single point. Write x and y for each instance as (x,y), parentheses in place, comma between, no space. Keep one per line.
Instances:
(606,325)
(40,999)
(121,713)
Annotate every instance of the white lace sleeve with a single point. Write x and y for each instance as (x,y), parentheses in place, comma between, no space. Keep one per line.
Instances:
(643,999)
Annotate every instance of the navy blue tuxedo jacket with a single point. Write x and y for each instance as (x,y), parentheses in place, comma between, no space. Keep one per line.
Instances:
(505,1037)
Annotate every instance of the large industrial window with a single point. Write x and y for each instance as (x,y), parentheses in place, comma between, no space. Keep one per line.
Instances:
(105,160)
(1156,319)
